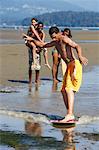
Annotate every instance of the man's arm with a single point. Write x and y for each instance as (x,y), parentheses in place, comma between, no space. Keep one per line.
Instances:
(28,38)
(49,44)
(38,43)
(71,43)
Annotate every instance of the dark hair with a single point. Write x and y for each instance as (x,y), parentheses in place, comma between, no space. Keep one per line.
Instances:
(69,31)
(40,22)
(34,19)
(53,30)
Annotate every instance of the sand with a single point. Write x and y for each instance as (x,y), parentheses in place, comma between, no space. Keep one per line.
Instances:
(14,57)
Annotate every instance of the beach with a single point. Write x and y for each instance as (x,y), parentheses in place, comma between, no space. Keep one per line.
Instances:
(15,95)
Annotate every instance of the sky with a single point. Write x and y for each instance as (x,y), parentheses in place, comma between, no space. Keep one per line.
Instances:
(90,4)
(19,9)
(87,4)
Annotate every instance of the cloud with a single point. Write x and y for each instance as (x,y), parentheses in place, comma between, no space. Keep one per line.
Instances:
(3,9)
(12,9)
(26,6)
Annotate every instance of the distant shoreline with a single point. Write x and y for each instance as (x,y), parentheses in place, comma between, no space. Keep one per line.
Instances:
(47,27)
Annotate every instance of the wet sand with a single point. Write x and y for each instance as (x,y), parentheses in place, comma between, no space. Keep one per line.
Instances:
(14,57)
(14,66)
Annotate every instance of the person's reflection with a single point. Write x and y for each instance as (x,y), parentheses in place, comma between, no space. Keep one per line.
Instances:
(68,135)
(54,87)
(36,86)
(33,128)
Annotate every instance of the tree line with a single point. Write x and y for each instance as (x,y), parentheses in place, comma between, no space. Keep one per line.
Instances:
(68,18)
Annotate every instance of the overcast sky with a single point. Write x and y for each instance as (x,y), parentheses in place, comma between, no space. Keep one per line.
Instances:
(12,8)
(86,3)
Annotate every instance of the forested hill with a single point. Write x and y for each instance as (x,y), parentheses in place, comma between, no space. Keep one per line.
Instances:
(68,18)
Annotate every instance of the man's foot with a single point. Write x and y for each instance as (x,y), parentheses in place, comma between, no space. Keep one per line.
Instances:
(67,119)
(55,81)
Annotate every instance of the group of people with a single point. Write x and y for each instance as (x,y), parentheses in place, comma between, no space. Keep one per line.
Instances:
(36,31)
(72,73)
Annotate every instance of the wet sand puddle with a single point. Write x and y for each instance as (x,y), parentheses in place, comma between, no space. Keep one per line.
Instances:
(40,134)
(25,130)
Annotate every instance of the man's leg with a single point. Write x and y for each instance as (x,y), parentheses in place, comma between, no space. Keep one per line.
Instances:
(65,98)
(30,64)
(55,67)
(54,86)
(68,98)
(59,59)
(30,79)
(70,95)
(37,76)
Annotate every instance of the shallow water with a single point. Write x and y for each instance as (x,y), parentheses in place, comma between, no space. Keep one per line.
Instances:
(40,134)
(18,133)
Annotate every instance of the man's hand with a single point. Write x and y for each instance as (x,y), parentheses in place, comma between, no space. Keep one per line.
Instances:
(26,37)
(47,65)
(37,43)
(83,60)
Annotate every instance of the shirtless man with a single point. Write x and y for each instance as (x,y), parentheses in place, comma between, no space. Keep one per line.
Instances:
(73,75)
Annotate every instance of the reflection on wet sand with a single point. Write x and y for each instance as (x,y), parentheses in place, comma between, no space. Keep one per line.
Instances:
(68,136)
(54,87)
(33,136)
(36,87)
(33,129)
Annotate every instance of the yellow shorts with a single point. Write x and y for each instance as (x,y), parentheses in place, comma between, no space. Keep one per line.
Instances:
(69,84)
(64,66)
